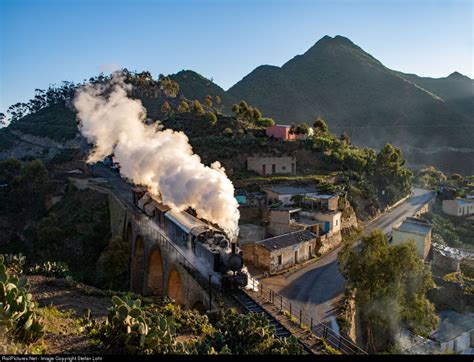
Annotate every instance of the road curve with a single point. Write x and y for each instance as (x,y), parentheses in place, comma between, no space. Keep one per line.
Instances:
(317,288)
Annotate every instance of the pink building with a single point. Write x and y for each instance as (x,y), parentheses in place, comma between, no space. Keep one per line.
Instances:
(281,131)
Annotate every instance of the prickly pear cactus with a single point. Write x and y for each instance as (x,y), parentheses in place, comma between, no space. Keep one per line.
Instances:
(17,308)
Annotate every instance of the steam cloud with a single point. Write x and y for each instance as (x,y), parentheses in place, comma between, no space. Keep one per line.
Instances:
(162,160)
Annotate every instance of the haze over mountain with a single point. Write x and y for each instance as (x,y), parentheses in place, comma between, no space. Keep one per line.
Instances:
(432,120)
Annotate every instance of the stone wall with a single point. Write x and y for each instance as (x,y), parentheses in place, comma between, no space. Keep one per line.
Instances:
(449,295)
(327,243)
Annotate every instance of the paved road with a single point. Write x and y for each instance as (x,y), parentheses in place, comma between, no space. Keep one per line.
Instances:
(121,188)
(317,288)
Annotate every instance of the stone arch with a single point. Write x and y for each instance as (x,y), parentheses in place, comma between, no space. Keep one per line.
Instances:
(175,286)
(155,273)
(138,265)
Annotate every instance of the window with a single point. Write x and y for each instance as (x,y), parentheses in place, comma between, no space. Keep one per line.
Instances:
(336,222)
(273,168)
(296,256)
(310,251)
(292,168)
(279,259)
(283,168)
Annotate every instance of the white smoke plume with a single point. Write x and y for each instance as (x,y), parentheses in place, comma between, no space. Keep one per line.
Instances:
(161,160)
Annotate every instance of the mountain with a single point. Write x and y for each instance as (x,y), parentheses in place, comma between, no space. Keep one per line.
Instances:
(456,89)
(194,86)
(432,120)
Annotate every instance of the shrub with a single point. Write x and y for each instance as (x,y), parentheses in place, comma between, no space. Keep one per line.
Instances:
(54,269)
(131,330)
(17,309)
(14,262)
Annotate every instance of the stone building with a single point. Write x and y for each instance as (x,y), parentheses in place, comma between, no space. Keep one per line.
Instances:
(280,252)
(271,165)
(417,230)
(321,202)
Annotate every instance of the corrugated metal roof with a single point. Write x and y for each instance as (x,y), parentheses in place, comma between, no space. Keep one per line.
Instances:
(285,240)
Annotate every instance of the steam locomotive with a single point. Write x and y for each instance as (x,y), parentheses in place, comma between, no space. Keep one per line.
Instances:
(205,240)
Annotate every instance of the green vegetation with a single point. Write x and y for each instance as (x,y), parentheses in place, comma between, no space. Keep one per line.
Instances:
(183,107)
(18,315)
(450,230)
(56,122)
(388,278)
(50,269)
(151,329)
(198,110)
(245,334)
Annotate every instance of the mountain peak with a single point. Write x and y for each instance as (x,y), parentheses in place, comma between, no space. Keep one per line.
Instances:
(337,40)
(457,75)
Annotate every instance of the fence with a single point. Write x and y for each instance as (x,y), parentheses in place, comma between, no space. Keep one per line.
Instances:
(319,329)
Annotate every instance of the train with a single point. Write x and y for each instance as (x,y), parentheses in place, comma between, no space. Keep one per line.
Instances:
(205,240)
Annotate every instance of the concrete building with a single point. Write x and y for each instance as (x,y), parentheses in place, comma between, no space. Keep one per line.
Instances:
(329,221)
(284,194)
(417,230)
(281,131)
(271,165)
(280,252)
(458,207)
(287,219)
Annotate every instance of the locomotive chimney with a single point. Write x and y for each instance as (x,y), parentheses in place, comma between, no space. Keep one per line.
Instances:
(233,245)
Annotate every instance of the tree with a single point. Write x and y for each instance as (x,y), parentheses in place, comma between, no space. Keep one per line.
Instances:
(198,111)
(211,118)
(302,129)
(392,180)
(2,120)
(390,284)
(113,263)
(265,122)
(218,100)
(209,101)
(183,107)
(321,125)
(166,108)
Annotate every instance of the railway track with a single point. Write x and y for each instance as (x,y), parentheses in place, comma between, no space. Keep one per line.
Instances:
(253,307)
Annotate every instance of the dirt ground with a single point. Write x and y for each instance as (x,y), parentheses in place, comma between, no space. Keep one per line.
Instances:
(63,333)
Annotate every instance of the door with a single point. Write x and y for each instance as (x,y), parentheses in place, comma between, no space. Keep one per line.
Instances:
(327,226)
(264,170)
(296,256)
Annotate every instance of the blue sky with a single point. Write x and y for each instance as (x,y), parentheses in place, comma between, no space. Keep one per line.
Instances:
(47,41)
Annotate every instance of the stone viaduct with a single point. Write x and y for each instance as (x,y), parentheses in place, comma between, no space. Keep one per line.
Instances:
(158,267)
